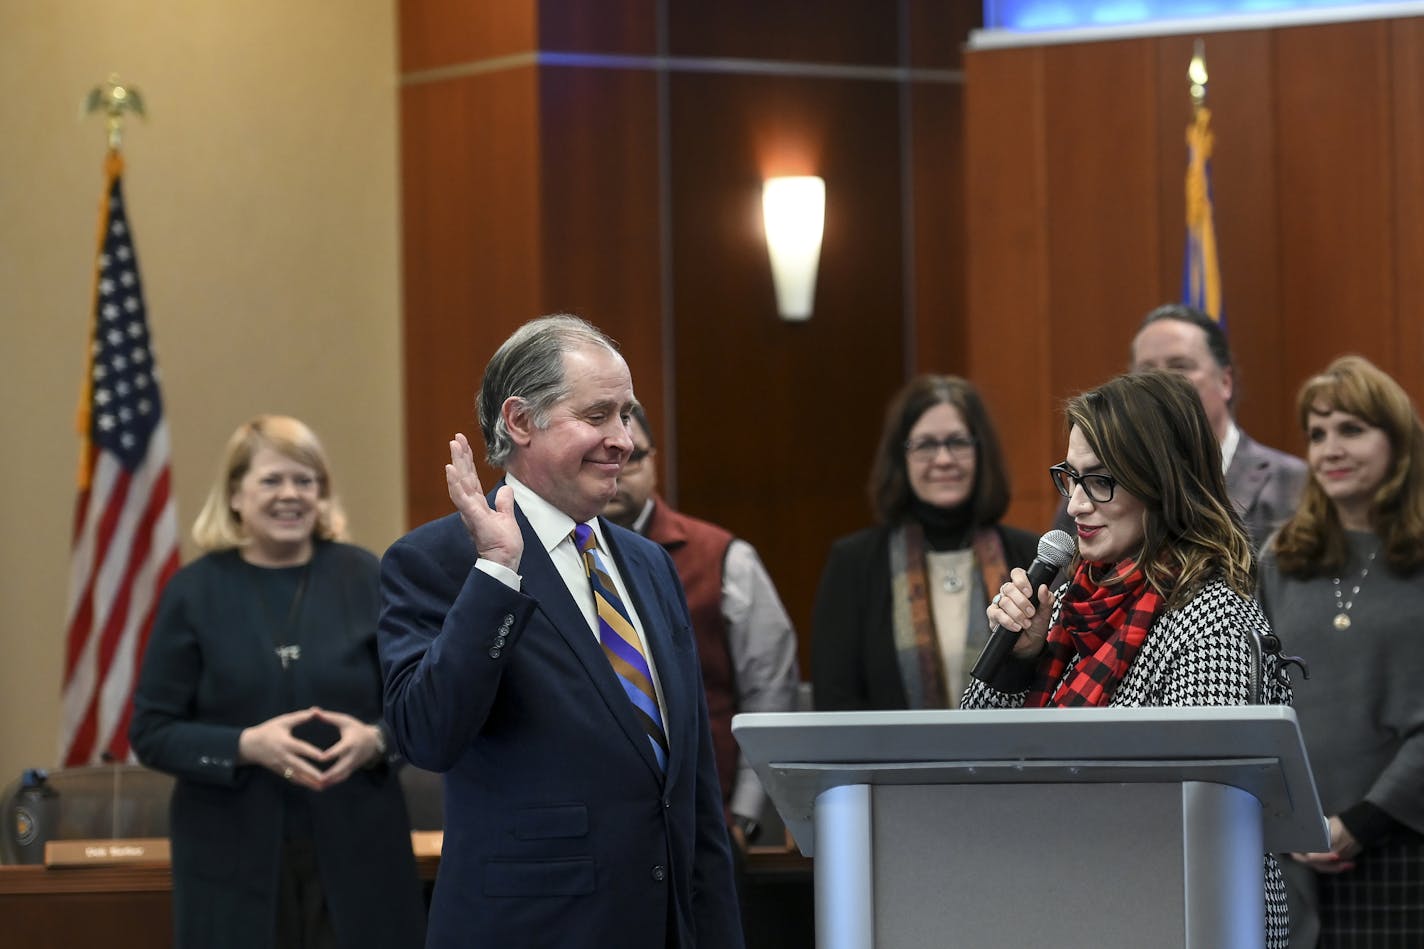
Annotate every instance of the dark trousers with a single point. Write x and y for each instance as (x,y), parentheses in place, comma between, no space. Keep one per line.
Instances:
(302,918)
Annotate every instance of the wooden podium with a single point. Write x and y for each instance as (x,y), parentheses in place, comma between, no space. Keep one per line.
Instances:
(1070,827)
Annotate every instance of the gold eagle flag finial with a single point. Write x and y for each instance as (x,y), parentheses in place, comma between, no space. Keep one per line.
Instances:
(114,98)
(1196,75)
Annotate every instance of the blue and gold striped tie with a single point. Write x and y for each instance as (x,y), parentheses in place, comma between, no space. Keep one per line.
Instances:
(621,644)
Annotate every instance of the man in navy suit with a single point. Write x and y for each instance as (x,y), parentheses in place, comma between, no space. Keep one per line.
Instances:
(563,827)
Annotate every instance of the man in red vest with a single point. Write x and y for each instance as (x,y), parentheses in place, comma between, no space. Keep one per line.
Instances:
(744,637)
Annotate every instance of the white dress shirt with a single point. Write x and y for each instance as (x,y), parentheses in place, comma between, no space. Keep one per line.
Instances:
(555,531)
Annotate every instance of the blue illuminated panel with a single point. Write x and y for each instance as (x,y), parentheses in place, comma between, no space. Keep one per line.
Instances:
(1038,15)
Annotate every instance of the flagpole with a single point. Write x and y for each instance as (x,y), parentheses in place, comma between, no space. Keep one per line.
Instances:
(113,98)
(1201,278)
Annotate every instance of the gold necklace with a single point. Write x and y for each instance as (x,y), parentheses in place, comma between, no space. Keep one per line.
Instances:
(1342,605)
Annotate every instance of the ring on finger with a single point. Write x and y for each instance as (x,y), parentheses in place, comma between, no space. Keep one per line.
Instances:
(287,774)
(996,599)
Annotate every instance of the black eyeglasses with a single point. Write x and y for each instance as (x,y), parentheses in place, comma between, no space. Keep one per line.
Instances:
(1098,487)
(927,449)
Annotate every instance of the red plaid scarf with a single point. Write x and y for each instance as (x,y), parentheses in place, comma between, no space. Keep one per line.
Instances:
(1104,625)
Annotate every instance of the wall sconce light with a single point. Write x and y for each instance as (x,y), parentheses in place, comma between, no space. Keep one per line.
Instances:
(794,212)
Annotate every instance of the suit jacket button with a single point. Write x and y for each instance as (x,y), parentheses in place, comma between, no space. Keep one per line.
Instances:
(494,652)
(659,874)
(499,641)
(508,619)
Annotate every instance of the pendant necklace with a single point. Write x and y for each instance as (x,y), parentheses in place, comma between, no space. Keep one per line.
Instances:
(952,582)
(286,651)
(1342,605)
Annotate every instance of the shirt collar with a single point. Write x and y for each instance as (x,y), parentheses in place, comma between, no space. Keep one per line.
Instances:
(551,525)
(641,524)
(1228,445)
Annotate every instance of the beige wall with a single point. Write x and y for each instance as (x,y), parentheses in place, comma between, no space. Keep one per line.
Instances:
(263,197)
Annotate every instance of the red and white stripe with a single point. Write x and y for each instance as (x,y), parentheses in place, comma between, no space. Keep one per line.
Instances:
(125,549)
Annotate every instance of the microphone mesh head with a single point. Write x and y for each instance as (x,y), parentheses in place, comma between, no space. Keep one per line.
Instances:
(1057,548)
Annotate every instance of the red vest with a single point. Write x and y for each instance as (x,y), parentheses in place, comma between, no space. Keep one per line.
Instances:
(698,550)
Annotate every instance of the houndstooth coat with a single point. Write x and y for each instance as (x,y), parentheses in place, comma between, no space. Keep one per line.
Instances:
(1205,653)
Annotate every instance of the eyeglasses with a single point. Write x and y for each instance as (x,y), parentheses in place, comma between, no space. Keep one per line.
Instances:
(636,457)
(1098,487)
(927,449)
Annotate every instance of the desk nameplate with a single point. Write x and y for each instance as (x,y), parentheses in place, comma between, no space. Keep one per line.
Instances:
(102,853)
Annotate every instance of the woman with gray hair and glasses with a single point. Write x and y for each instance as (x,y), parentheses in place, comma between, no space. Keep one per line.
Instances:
(899,613)
(261,694)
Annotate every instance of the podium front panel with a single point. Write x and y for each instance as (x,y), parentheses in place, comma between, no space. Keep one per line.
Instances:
(1165,866)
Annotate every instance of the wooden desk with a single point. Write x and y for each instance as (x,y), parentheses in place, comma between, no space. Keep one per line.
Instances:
(111,906)
(132,905)
(87,906)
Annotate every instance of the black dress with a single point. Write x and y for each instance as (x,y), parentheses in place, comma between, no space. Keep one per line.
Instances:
(209,672)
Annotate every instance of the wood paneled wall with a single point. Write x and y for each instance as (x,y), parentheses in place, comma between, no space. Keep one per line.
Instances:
(605,157)
(1074,167)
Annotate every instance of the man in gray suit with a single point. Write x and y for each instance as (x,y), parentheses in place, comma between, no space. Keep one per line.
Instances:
(1264,483)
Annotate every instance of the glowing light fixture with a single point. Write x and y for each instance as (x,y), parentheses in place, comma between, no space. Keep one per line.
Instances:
(1104,19)
(794,212)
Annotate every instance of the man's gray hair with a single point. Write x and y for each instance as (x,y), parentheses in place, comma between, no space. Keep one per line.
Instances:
(530,366)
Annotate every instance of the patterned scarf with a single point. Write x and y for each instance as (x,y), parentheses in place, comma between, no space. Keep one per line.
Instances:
(916,641)
(1103,625)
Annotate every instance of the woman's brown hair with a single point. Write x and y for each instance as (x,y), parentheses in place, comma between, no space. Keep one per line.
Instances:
(1312,542)
(1152,435)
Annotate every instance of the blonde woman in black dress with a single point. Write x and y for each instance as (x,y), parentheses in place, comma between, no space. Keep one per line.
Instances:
(261,693)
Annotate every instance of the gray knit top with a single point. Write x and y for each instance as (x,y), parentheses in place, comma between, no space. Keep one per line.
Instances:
(1362,709)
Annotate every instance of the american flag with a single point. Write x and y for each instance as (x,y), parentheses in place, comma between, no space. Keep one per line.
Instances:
(125,522)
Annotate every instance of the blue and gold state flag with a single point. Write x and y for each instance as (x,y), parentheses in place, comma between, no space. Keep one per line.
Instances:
(1201,272)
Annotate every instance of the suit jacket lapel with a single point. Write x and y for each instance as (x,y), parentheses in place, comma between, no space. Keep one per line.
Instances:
(1246,475)
(543,582)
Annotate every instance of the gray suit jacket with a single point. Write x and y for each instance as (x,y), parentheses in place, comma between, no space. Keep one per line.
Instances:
(1264,483)
(1266,486)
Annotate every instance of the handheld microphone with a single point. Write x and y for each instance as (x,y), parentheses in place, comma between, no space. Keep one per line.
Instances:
(1055,550)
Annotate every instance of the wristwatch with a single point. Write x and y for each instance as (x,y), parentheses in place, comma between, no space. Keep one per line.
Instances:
(381,747)
(749,826)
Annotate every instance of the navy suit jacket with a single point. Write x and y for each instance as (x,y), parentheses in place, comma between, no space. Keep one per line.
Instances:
(560,830)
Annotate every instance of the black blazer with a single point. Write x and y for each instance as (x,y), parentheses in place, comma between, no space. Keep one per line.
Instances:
(853,661)
(560,830)
(210,672)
